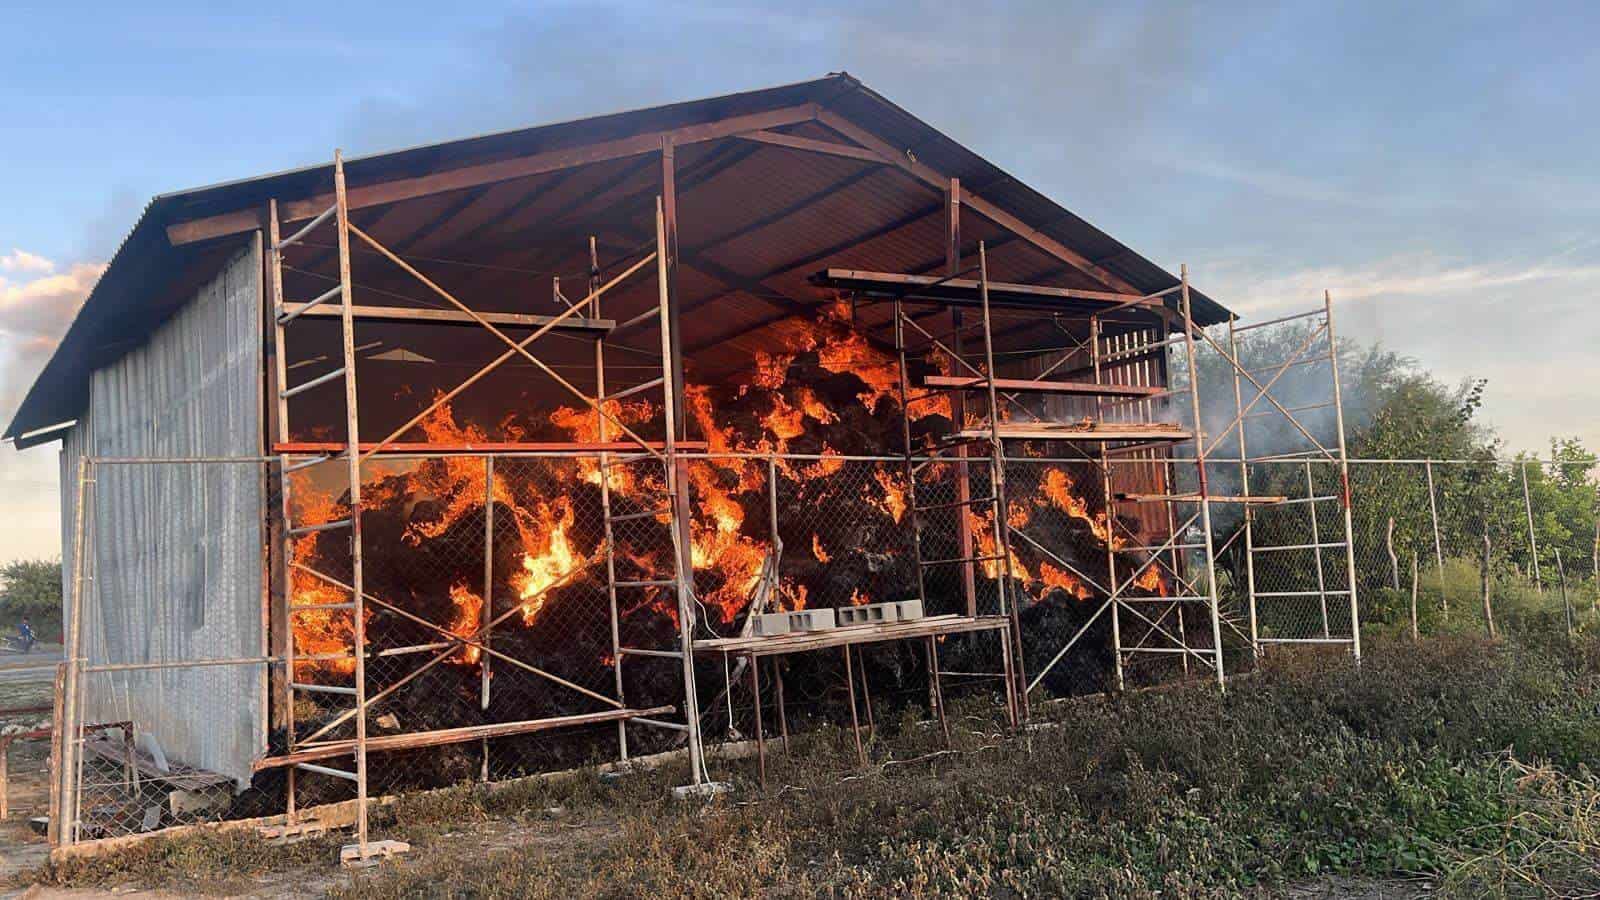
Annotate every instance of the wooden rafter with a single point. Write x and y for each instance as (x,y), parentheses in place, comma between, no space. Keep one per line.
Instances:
(982,207)
(393,191)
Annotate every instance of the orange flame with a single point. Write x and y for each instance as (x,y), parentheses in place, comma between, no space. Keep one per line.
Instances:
(468,610)
(1057,492)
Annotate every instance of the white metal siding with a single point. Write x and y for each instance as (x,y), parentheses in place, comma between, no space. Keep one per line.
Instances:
(177,548)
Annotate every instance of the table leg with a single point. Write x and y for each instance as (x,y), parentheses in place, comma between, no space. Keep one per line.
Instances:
(761,743)
(783,717)
(937,689)
(866,693)
(5,778)
(1011,682)
(855,723)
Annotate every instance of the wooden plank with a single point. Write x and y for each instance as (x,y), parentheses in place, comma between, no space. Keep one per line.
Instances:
(1195,498)
(443,736)
(450,317)
(1024,385)
(178,776)
(798,642)
(914,286)
(813,146)
(979,205)
(1075,431)
(395,190)
(309,447)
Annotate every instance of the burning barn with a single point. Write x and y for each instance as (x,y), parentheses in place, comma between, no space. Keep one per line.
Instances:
(393,469)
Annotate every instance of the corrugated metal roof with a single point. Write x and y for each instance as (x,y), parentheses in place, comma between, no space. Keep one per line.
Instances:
(148,277)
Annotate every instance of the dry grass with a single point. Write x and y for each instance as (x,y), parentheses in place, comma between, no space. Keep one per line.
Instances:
(1460,765)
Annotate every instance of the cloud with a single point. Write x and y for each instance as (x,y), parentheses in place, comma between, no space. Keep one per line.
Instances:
(1247,288)
(1522,323)
(34,313)
(19,260)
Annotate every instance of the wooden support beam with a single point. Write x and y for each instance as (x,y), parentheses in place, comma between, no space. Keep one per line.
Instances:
(393,191)
(912,287)
(978,205)
(307,448)
(1195,498)
(442,736)
(428,316)
(1024,385)
(813,146)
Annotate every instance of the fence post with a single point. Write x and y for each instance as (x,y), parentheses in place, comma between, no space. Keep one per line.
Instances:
(1394,561)
(1566,604)
(69,724)
(1438,553)
(1483,571)
(1533,541)
(1415,637)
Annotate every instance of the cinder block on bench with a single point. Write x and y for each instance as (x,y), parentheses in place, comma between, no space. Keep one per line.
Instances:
(868,614)
(769,624)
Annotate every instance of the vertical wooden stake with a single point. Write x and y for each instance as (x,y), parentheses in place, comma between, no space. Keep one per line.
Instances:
(1415,637)
(1394,561)
(1566,603)
(1483,572)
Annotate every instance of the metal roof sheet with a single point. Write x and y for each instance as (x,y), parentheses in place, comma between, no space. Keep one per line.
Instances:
(148,278)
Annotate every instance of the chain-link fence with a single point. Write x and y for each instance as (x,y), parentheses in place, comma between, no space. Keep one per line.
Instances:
(213,624)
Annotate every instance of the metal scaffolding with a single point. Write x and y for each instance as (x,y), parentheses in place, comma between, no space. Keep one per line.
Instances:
(1135,422)
(309,753)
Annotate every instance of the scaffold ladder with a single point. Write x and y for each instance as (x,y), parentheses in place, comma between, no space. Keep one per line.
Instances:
(349,453)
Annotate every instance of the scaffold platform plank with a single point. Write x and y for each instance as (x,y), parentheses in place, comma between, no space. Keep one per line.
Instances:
(1195,498)
(413,740)
(426,316)
(796,642)
(1083,431)
(1020,385)
(403,447)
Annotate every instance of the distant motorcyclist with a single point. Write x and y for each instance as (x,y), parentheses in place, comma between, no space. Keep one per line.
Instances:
(25,636)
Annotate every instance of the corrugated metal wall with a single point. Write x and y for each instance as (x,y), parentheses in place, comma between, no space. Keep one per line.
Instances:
(177,548)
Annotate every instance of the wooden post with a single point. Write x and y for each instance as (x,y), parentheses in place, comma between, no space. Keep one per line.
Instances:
(53,829)
(761,738)
(1415,636)
(783,716)
(1483,572)
(958,402)
(866,694)
(1566,603)
(938,692)
(1438,551)
(1394,561)
(1533,539)
(855,722)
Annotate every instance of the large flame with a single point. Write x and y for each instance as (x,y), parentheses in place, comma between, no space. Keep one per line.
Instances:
(794,412)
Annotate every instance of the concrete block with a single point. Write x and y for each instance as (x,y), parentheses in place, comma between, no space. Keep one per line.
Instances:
(909,610)
(768,624)
(703,790)
(868,614)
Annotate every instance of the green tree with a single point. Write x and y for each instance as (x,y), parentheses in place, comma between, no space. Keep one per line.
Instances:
(31,588)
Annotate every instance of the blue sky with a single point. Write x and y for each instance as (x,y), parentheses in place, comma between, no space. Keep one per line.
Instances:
(1432,168)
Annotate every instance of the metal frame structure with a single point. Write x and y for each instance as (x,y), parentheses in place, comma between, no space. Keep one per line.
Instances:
(1318,351)
(306,753)
(619,445)
(1127,430)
